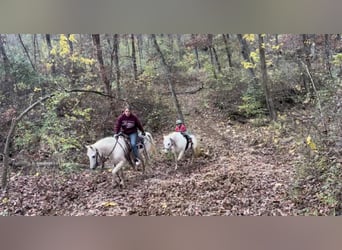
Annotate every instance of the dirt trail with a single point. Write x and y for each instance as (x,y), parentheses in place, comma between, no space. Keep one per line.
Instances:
(236,175)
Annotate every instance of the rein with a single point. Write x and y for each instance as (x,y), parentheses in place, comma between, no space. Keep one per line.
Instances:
(103,158)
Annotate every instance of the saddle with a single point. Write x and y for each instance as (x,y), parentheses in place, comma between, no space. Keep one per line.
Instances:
(140,141)
(140,144)
(188,140)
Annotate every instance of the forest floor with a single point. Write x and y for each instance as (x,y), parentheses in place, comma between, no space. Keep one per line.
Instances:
(240,172)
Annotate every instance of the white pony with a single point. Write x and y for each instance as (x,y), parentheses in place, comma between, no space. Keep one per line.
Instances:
(117,150)
(178,144)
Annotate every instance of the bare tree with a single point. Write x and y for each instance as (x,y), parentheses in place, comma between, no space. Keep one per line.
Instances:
(103,72)
(229,54)
(26,52)
(140,49)
(210,50)
(51,57)
(269,100)
(134,59)
(181,51)
(116,63)
(169,78)
(6,62)
(246,56)
(71,45)
(327,54)
(193,37)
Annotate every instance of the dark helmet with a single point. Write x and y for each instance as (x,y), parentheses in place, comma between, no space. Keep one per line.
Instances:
(179,122)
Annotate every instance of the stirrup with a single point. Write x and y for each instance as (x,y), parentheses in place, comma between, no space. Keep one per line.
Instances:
(137,162)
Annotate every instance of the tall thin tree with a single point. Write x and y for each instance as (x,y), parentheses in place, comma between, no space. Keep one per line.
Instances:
(268,96)
(5,60)
(116,47)
(51,56)
(134,58)
(245,51)
(103,72)
(26,52)
(229,54)
(168,71)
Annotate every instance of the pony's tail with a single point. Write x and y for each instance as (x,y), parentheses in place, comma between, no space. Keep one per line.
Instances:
(150,137)
(196,147)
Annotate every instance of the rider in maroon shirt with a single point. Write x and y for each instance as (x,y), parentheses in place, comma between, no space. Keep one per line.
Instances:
(129,124)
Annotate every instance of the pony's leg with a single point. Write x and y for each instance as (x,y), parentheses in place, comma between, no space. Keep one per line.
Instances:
(122,178)
(180,155)
(176,166)
(116,172)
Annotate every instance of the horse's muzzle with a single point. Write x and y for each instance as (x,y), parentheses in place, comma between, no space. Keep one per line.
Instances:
(166,150)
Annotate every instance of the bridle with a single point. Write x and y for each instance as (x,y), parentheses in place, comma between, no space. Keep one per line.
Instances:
(102,158)
(172,144)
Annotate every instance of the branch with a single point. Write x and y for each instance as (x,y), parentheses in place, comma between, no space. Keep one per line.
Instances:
(193,91)
(317,95)
(9,136)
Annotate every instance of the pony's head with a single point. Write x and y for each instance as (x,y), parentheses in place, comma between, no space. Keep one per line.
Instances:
(168,143)
(93,157)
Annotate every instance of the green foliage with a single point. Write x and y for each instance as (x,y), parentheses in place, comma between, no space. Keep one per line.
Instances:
(337,59)
(188,64)
(23,73)
(56,129)
(149,74)
(253,103)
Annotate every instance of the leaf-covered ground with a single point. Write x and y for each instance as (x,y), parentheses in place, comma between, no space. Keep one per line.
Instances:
(241,172)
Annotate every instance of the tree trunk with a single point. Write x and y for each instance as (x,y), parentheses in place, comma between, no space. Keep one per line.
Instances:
(116,64)
(217,60)
(210,38)
(169,79)
(180,47)
(140,49)
(134,59)
(327,54)
(306,55)
(278,50)
(7,64)
(246,56)
(97,43)
(51,57)
(26,52)
(229,54)
(268,96)
(34,39)
(71,66)
(196,53)
(71,46)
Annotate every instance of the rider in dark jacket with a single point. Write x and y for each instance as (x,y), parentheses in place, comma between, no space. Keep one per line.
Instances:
(129,124)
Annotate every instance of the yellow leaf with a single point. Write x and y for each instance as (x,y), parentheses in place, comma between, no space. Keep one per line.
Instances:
(37,174)
(311,144)
(5,200)
(109,204)
(249,37)
(164,205)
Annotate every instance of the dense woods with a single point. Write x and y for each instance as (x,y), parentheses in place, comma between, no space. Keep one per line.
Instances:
(59,92)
